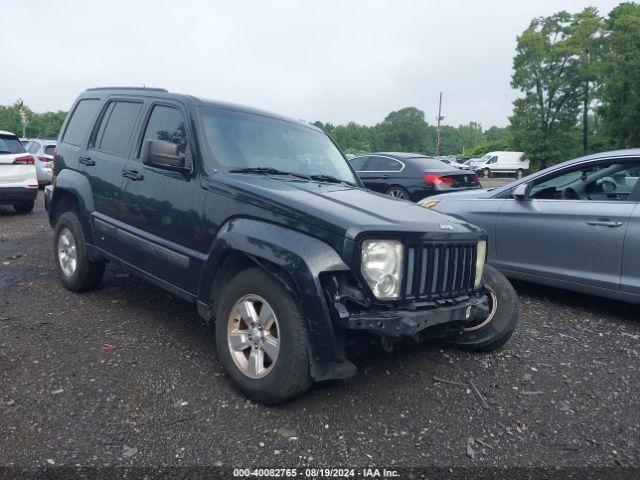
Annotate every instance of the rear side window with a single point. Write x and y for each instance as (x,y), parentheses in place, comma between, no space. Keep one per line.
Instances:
(167,123)
(382,164)
(117,127)
(358,163)
(11,144)
(81,121)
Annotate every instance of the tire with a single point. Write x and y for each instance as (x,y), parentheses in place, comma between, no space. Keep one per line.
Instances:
(519,173)
(486,173)
(398,192)
(25,206)
(288,375)
(84,274)
(502,320)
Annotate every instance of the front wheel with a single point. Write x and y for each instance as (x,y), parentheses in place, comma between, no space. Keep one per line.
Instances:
(493,331)
(261,340)
(486,173)
(519,173)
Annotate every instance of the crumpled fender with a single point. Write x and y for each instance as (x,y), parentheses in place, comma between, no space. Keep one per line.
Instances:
(303,257)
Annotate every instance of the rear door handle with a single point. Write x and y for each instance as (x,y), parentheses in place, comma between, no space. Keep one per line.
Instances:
(605,223)
(132,175)
(87,161)
(385,176)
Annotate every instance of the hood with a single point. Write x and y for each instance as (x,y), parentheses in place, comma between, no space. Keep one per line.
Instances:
(351,210)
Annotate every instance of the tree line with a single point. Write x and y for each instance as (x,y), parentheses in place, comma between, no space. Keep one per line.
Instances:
(40,125)
(406,130)
(578,77)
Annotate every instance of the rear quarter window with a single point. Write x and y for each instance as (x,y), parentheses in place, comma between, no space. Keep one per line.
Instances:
(81,121)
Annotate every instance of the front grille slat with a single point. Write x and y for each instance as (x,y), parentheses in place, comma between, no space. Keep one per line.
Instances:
(440,270)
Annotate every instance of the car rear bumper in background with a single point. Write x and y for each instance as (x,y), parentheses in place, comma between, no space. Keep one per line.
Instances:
(13,194)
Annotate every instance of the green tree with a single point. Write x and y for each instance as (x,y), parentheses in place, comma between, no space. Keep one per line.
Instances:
(470,135)
(496,133)
(620,91)
(543,123)
(404,130)
(586,42)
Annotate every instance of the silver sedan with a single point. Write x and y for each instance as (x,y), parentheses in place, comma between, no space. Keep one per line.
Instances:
(575,225)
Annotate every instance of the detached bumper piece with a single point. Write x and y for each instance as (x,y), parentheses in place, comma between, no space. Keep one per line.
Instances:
(408,323)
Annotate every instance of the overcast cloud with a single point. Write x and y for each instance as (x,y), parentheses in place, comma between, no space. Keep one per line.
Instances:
(332,61)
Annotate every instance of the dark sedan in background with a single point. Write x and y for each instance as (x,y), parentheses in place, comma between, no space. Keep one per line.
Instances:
(411,176)
(575,225)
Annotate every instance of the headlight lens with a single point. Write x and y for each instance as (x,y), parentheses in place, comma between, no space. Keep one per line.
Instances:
(381,267)
(480,259)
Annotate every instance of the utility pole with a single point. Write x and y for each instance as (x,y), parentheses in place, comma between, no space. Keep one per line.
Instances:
(23,118)
(439,118)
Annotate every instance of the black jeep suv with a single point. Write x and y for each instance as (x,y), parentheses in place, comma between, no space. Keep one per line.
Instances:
(261,222)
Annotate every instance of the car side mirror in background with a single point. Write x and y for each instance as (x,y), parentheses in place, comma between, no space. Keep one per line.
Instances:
(520,192)
(163,154)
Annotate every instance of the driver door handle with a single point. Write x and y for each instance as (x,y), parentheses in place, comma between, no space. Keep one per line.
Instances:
(132,175)
(87,161)
(604,223)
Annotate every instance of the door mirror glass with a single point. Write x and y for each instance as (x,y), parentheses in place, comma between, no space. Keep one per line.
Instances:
(520,192)
(162,154)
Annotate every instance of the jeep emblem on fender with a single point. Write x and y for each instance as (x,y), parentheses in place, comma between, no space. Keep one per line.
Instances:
(446,226)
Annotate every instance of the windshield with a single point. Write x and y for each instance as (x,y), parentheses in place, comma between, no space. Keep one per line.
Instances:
(11,144)
(241,140)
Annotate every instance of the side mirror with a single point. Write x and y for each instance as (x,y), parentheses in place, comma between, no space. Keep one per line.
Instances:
(163,154)
(520,192)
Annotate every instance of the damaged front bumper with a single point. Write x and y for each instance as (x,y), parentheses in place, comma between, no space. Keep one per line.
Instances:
(410,323)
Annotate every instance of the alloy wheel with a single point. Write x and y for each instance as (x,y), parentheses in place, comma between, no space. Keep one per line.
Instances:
(397,193)
(253,336)
(67,252)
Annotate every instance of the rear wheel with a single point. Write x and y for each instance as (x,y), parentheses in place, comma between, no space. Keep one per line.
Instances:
(260,338)
(486,173)
(493,331)
(76,271)
(398,192)
(25,206)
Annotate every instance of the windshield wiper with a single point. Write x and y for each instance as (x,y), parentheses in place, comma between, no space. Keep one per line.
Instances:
(268,171)
(330,179)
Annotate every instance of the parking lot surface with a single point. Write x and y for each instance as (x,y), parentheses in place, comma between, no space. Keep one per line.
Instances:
(127,375)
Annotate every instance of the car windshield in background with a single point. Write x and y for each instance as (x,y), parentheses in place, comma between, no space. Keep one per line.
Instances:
(11,144)
(240,140)
(430,163)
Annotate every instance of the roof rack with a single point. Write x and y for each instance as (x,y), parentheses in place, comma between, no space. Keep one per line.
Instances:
(130,88)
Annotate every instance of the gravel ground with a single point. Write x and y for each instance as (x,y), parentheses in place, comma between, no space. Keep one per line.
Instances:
(127,376)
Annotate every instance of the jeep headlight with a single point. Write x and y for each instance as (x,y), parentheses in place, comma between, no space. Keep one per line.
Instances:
(381,267)
(480,259)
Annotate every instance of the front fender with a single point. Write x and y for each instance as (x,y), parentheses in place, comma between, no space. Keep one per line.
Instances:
(303,258)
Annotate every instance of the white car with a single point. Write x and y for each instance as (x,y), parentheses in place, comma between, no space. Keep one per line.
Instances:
(502,162)
(43,152)
(18,178)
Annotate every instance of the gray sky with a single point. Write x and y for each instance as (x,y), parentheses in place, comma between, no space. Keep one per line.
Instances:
(327,60)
